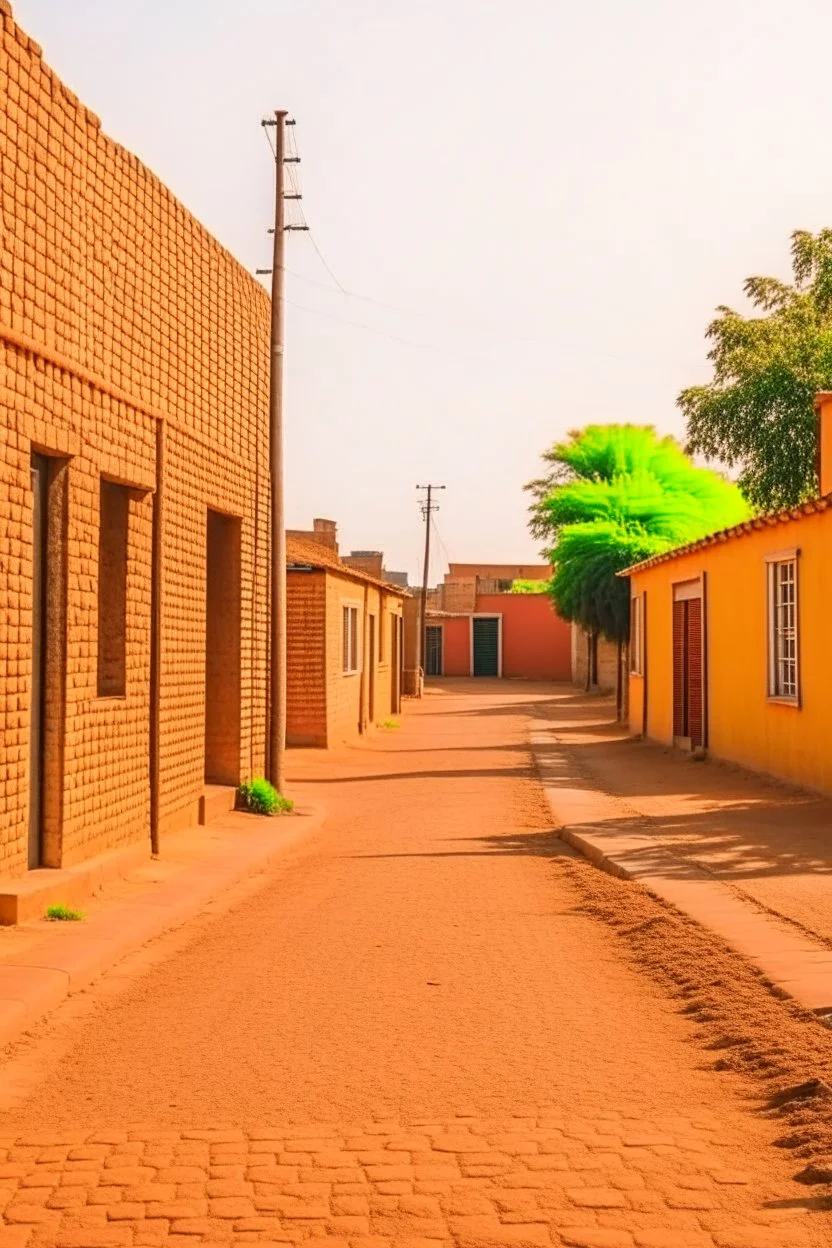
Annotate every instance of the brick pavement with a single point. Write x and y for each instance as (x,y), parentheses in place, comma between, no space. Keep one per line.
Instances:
(405,1036)
(538,1180)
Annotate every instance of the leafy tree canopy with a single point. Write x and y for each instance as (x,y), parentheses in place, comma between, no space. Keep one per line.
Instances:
(757,412)
(612,496)
(529,587)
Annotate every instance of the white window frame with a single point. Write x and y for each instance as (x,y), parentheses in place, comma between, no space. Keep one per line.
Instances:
(637,635)
(350,639)
(783,618)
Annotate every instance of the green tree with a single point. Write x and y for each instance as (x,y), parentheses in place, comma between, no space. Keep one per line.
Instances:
(529,587)
(613,495)
(757,412)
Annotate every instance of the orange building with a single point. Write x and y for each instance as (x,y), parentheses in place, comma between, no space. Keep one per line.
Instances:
(133,491)
(730,639)
(476,627)
(345,643)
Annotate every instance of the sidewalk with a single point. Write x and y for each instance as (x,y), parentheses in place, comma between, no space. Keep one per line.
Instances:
(745,855)
(43,962)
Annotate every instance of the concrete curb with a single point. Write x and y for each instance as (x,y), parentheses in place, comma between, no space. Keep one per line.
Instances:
(798,966)
(71,956)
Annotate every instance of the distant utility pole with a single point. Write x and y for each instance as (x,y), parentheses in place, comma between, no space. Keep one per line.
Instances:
(277,661)
(428,507)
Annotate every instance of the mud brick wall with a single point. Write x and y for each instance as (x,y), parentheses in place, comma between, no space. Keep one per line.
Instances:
(306,658)
(124,328)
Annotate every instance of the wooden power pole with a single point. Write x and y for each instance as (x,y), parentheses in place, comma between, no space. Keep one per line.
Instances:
(277,654)
(428,507)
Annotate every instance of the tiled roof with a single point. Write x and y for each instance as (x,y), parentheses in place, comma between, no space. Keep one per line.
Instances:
(300,552)
(753,525)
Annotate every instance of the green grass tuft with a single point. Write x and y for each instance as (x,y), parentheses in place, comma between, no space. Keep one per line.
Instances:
(64,914)
(262,798)
(389,723)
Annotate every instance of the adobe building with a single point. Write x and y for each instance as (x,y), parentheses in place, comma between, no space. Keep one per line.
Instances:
(134,491)
(476,626)
(729,641)
(345,646)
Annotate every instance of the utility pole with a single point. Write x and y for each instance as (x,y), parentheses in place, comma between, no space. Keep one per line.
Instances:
(277,660)
(428,507)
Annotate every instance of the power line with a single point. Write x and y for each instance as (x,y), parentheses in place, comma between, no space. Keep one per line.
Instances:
(383,333)
(439,539)
(481,326)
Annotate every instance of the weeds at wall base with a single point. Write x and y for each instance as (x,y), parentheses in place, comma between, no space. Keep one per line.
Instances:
(64,914)
(259,797)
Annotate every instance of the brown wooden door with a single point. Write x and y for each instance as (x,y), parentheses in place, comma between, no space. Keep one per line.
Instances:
(688,684)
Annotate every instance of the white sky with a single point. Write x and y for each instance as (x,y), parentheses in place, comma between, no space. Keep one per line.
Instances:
(554,196)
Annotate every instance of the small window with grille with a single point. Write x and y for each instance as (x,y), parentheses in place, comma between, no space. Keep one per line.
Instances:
(783,656)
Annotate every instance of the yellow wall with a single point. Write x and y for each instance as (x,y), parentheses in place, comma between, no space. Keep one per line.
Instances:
(745,726)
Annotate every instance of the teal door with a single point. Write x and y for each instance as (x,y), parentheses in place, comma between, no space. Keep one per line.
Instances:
(486,646)
(433,647)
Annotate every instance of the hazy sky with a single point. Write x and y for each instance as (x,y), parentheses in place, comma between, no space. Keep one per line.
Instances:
(553,197)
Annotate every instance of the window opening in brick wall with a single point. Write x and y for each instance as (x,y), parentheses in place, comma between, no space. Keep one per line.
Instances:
(350,639)
(783,681)
(223,666)
(112,591)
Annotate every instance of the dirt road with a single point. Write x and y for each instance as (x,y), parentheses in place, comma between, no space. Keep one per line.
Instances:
(411,1031)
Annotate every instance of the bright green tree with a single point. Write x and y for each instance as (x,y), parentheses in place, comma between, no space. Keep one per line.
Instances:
(529,587)
(612,496)
(757,412)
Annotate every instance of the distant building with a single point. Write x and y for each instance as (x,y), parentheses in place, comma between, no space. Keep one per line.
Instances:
(729,639)
(475,626)
(345,640)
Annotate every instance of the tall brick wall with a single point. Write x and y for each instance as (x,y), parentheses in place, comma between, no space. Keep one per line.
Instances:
(306,641)
(125,328)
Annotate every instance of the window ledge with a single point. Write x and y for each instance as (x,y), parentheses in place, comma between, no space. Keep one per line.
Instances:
(780,701)
(355,672)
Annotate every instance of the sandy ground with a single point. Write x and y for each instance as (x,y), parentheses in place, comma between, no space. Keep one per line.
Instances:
(429,1023)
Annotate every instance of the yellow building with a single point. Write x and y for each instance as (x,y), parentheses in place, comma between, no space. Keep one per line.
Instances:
(731,639)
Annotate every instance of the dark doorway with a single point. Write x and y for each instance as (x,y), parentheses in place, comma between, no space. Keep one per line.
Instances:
(222,650)
(47,707)
(371,669)
(433,647)
(688,687)
(486,646)
(395,664)
(40,529)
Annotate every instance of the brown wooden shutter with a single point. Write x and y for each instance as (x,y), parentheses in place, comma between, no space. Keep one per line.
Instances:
(679,674)
(694,673)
